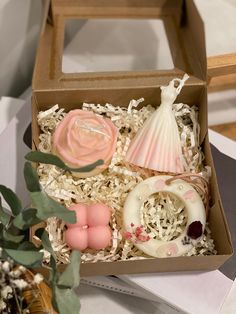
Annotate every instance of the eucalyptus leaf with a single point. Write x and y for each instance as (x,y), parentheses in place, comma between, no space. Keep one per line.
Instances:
(37,264)
(47,207)
(4,216)
(12,199)
(31,178)
(26,258)
(43,236)
(12,238)
(66,301)
(53,300)
(70,278)
(8,244)
(1,230)
(26,219)
(45,158)
(28,246)
(53,274)
(87,168)
(51,159)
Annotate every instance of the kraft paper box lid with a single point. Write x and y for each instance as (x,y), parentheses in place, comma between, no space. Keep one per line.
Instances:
(184,29)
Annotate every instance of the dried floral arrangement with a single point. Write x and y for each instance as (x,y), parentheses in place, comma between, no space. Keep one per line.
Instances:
(163,215)
(13,285)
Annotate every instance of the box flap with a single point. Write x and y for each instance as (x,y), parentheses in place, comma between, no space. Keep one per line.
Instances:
(184,29)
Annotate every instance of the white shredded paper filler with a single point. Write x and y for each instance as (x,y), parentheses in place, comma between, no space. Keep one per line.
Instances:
(163,216)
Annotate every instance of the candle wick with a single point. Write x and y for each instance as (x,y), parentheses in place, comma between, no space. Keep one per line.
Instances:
(181,82)
(82,125)
(84,227)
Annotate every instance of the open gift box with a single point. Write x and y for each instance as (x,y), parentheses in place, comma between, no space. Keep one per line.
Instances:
(185,33)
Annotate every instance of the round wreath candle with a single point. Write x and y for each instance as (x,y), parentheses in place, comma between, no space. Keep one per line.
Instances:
(191,235)
(84,137)
(91,229)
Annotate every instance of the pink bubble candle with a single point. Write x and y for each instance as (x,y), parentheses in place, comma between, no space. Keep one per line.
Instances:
(91,229)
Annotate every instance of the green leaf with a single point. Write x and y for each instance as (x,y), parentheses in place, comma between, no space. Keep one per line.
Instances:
(87,168)
(66,301)
(5,243)
(1,230)
(11,199)
(51,159)
(43,236)
(28,246)
(8,244)
(26,258)
(53,274)
(4,216)
(45,158)
(47,207)
(26,219)
(31,178)
(70,278)
(12,238)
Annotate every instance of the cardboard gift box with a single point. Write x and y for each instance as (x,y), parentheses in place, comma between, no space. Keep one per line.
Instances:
(185,33)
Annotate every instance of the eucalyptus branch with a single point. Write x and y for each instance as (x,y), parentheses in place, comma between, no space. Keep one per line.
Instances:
(15,227)
(17,301)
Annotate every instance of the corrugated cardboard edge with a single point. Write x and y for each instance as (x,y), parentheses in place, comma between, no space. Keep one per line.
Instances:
(50,75)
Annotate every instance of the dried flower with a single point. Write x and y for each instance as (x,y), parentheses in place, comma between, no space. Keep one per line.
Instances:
(38,278)
(195,230)
(138,234)
(127,235)
(2,305)
(22,269)
(15,273)
(6,291)
(20,283)
(6,266)
(11,286)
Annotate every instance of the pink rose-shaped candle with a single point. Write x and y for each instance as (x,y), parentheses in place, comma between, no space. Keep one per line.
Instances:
(92,229)
(82,138)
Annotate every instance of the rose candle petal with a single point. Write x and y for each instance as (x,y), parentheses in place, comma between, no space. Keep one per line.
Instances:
(84,137)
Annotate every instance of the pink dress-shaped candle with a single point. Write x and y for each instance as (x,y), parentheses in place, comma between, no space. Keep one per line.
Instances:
(157,144)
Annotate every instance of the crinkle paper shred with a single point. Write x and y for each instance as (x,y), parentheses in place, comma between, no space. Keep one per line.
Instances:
(163,216)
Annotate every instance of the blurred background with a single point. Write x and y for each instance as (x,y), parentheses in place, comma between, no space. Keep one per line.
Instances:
(19,31)
(108,45)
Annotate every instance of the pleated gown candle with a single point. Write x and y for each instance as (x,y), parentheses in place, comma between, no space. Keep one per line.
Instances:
(157,144)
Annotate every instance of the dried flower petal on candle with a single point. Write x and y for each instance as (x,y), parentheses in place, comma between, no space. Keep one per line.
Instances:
(195,230)
(138,234)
